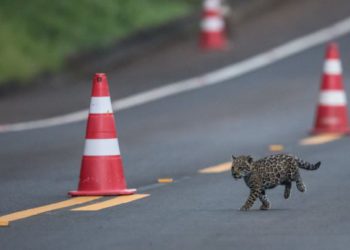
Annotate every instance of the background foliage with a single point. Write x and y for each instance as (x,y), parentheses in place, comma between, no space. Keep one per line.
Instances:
(37,35)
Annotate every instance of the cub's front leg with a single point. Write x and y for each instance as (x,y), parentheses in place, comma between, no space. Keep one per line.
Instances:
(254,194)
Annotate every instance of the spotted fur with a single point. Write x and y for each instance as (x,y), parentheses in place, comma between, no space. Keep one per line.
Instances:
(267,173)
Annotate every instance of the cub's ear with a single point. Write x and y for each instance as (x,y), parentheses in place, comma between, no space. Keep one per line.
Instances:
(233,158)
(250,159)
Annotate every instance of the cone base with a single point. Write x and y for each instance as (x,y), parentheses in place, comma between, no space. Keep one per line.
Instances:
(213,41)
(317,131)
(102,192)
(210,47)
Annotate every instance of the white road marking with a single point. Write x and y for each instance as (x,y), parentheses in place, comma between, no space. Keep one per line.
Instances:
(215,77)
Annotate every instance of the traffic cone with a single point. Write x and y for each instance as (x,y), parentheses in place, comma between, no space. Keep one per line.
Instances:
(332,114)
(213,35)
(101,170)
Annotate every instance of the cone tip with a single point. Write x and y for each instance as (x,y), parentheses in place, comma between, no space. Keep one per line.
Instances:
(99,77)
(100,85)
(332,51)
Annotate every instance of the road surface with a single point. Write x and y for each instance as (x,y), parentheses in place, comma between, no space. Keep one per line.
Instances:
(177,136)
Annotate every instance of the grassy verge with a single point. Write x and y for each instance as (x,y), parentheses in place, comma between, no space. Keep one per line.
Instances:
(37,35)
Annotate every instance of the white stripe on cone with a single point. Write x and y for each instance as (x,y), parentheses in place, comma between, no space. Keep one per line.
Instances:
(212,24)
(101,147)
(333,98)
(100,105)
(332,67)
(212,4)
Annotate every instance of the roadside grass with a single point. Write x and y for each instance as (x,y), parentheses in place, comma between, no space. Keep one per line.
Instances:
(37,35)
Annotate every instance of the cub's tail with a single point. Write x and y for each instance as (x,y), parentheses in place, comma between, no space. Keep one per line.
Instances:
(308,166)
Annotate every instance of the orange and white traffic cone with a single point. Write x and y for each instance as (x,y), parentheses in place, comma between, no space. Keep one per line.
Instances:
(213,35)
(101,170)
(332,114)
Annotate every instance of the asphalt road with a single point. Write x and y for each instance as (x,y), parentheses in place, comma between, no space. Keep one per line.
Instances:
(179,135)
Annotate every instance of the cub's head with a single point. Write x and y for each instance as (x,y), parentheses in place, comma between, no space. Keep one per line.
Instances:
(241,166)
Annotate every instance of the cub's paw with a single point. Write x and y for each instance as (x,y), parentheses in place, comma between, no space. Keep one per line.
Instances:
(286,194)
(301,188)
(244,208)
(265,206)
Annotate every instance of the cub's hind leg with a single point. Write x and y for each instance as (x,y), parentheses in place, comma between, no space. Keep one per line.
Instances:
(287,189)
(300,185)
(265,201)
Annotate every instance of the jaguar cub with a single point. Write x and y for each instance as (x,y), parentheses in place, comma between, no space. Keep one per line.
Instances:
(267,173)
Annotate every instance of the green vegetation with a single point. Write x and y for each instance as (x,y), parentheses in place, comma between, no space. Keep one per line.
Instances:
(37,35)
